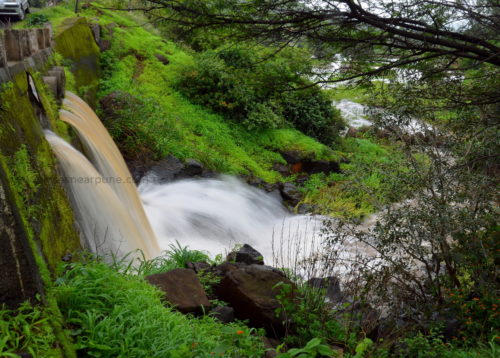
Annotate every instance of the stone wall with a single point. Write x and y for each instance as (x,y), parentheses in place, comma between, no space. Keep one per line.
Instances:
(24,49)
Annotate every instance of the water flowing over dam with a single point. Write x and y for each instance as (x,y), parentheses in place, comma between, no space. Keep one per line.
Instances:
(102,190)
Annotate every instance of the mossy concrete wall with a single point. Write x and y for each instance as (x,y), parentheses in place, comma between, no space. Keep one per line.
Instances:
(75,41)
(40,227)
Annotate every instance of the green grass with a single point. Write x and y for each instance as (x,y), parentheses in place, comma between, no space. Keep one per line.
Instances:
(365,185)
(27,330)
(118,315)
(174,125)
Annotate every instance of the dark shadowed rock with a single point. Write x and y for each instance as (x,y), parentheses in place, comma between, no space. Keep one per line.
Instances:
(162,59)
(171,168)
(306,209)
(198,266)
(304,163)
(226,267)
(165,170)
(251,291)
(224,314)
(104,45)
(282,169)
(192,168)
(364,315)
(330,284)
(291,194)
(247,255)
(182,289)
(320,166)
(292,156)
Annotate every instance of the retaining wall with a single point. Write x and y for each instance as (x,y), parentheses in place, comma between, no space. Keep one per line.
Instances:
(24,49)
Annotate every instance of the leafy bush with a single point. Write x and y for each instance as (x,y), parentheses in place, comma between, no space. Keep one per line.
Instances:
(257,94)
(311,112)
(312,349)
(36,20)
(117,315)
(308,316)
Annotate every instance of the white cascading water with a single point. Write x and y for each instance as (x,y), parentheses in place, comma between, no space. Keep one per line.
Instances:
(214,215)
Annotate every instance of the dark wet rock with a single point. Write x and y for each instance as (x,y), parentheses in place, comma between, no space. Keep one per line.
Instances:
(162,59)
(171,168)
(321,166)
(247,255)
(251,291)
(291,193)
(306,209)
(198,266)
(282,169)
(304,163)
(330,284)
(276,194)
(182,289)
(165,170)
(192,168)
(224,314)
(292,156)
(104,45)
(352,132)
(226,267)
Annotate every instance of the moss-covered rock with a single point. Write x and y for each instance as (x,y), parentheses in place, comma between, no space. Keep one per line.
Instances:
(30,171)
(75,42)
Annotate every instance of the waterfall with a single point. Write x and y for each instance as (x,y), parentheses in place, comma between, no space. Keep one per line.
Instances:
(102,185)
(211,215)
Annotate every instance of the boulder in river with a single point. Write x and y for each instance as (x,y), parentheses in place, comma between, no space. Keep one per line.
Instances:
(247,255)
(291,194)
(182,289)
(252,292)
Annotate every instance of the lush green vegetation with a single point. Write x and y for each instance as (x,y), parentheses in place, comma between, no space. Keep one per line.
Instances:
(196,97)
(28,330)
(120,315)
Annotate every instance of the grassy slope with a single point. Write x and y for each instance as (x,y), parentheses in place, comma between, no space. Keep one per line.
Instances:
(173,125)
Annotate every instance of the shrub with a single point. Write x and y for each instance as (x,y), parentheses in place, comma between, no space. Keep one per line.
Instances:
(257,94)
(35,20)
(311,112)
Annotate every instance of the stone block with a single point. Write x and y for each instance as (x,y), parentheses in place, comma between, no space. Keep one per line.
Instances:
(96,31)
(3,54)
(4,75)
(51,83)
(25,43)
(47,32)
(13,46)
(40,37)
(60,75)
(182,289)
(33,41)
